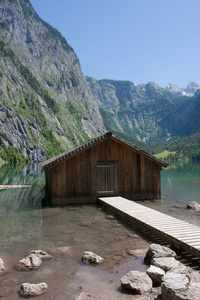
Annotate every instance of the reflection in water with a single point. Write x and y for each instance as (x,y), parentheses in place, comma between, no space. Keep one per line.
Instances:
(26,226)
(180,184)
(21,175)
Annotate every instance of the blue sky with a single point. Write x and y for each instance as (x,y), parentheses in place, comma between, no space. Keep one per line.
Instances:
(135,40)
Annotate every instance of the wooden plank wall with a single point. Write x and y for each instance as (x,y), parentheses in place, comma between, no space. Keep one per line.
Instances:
(76,178)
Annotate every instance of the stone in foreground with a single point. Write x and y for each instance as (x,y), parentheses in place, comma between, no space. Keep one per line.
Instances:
(156,274)
(181,284)
(175,286)
(193,205)
(2,268)
(90,257)
(155,251)
(28,289)
(30,262)
(166,263)
(138,282)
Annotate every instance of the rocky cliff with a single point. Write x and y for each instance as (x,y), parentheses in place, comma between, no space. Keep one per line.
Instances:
(146,113)
(45,104)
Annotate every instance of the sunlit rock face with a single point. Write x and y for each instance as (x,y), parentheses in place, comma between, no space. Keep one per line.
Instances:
(45,100)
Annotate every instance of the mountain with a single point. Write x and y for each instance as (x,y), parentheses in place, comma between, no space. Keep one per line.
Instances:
(146,113)
(189,90)
(185,120)
(46,105)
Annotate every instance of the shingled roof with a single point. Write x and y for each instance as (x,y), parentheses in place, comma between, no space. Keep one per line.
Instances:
(109,135)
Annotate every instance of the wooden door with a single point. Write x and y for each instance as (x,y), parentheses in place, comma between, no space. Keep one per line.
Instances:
(107,178)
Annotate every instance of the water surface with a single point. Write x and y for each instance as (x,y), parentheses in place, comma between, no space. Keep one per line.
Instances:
(26,225)
(180,184)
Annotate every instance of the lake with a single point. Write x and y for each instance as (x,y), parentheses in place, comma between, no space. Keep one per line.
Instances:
(180,184)
(25,225)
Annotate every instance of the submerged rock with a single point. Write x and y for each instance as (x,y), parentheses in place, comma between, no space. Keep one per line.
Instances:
(28,289)
(65,250)
(90,257)
(137,252)
(30,262)
(41,254)
(138,282)
(2,268)
(110,217)
(85,223)
(193,205)
(156,251)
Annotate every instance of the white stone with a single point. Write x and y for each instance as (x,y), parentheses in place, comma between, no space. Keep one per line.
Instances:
(156,274)
(28,289)
(193,205)
(137,281)
(90,257)
(175,286)
(2,268)
(30,262)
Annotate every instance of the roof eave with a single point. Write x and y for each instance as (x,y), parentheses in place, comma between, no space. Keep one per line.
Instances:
(52,162)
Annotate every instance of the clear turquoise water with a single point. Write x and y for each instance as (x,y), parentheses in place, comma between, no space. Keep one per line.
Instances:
(180,184)
(25,226)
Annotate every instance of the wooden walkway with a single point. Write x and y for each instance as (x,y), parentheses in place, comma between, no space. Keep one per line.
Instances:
(182,235)
(3,187)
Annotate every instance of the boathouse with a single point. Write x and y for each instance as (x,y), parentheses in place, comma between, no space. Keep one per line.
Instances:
(105,166)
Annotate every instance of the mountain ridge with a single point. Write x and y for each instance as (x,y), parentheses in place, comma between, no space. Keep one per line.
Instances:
(147,113)
(47,105)
(188,90)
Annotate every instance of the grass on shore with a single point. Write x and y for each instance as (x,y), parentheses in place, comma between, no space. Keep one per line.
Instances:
(164,154)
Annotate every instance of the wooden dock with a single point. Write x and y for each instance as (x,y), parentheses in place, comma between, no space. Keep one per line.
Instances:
(5,187)
(177,233)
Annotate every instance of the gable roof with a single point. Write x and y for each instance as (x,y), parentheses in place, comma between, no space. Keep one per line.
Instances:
(109,135)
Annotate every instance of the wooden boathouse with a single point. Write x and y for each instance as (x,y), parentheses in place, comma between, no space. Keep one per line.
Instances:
(105,166)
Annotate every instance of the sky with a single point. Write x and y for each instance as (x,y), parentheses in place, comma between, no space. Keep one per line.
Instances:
(135,40)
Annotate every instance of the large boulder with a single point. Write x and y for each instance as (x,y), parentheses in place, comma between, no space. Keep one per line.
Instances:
(2,268)
(193,205)
(175,286)
(155,251)
(90,257)
(138,282)
(181,286)
(165,263)
(28,289)
(194,287)
(156,274)
(30,262)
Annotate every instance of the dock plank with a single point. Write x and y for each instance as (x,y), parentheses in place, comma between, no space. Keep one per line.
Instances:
(5,187)
(177,232)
